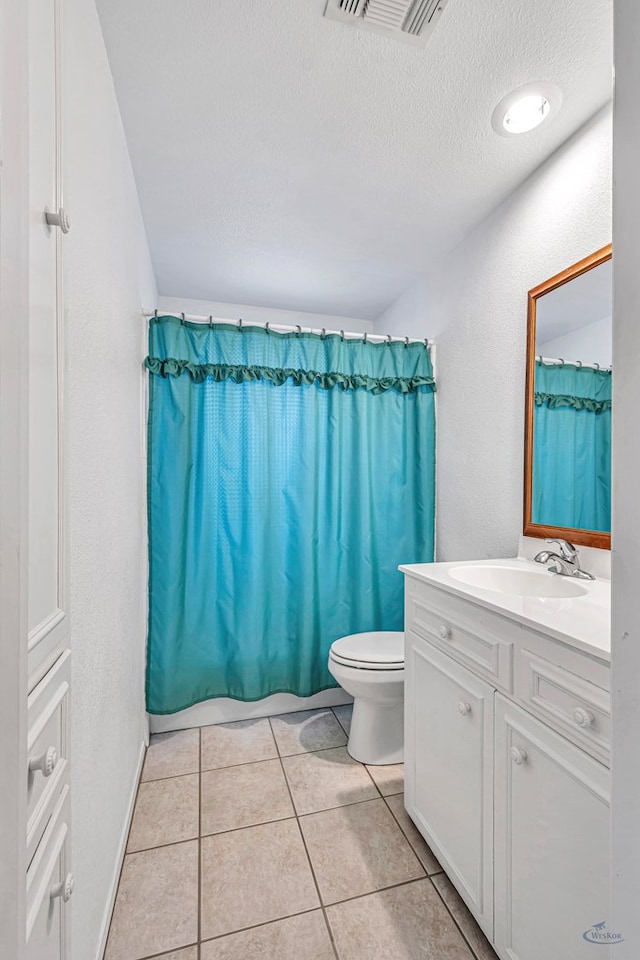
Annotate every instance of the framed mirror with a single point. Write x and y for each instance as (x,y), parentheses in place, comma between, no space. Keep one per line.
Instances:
(568,405)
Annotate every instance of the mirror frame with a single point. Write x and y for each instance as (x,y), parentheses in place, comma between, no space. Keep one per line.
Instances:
(586,538)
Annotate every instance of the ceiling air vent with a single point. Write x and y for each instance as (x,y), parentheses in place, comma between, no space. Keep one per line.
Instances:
(409,20)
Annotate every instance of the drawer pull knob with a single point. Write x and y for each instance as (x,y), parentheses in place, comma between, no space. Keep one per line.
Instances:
(46,762)
(518,755)
(584,718)
(64,890)
(464,708)
(59,219)
(444,631)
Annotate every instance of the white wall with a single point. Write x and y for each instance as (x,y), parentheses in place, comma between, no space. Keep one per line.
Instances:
(591,344)
(625,633)
(108,280)
(475,304)
(234,311)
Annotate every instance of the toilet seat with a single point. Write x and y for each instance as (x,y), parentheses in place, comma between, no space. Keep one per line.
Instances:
(376,650)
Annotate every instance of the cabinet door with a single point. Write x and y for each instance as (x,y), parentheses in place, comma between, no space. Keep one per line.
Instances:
(449,769)
(552,841)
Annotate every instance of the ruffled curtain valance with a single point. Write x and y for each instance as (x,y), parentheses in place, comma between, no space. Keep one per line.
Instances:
(568,385)
(226,352)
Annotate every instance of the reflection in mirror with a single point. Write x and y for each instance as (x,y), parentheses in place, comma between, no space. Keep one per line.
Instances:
(569,414)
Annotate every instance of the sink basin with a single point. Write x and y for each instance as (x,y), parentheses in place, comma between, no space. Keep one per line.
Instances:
(519,583)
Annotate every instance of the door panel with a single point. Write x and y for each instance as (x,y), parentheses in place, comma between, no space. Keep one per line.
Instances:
(449,784)
(552,841)
(47,602)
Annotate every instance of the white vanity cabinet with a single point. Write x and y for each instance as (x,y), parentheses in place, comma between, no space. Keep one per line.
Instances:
(506,731)
(551,840)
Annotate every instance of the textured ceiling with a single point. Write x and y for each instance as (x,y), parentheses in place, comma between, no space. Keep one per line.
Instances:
(288,160)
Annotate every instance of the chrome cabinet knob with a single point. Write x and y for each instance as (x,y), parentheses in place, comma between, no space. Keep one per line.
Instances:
(64,890)
(584,718)
(45,762)
(444,631)
(59,219)
(464,708)
(518,755)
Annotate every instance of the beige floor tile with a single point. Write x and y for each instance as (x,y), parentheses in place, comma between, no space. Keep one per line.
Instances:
(331,778)
(413,835)
(243,796)
(172,755)
(406,923)
(166,812)
(304,937)
(357,849)
(252,876)
(389,779)
(157,904)
(307,731)
(228,744)
(343,713)
(476,939)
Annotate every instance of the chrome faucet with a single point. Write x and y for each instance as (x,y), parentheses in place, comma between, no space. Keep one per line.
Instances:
(566,563)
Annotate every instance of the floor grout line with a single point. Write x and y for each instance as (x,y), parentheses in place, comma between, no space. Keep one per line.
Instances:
(124,858)
(408,839)
(333,709)
(474,955)
(313,873)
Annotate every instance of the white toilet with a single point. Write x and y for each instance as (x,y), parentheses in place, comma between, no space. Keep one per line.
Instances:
(370,666)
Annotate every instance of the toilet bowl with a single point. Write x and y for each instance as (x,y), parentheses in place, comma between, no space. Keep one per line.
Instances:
(370,666)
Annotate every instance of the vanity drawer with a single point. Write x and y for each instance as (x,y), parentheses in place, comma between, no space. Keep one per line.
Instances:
(49,887)
(47,746)
(469,634)
(573,706)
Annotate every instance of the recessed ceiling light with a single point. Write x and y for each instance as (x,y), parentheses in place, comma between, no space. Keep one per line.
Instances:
(526,108)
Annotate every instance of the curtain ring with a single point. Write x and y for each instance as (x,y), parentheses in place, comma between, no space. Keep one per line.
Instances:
(342,335)
(155,314)
(406,342)
(561,361)
(266,326)
(365,337)
(388,339)
(579,364)
(239,323)
(299,330)
(426,343)
(323,334)
(596,365)
(182,318)
(210,320)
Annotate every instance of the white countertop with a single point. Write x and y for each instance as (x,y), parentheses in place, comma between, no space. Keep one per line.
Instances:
(583,622)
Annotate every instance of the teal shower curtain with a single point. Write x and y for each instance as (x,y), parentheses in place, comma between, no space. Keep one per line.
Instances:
(288,476)
(572,447)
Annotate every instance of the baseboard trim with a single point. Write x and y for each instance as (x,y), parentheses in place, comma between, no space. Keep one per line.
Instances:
(122,846)
(225,710)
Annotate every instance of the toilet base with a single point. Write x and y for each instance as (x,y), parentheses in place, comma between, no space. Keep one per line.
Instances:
(377,732)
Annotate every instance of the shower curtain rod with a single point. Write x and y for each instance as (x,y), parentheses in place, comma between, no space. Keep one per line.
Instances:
(573,363)
(345,334)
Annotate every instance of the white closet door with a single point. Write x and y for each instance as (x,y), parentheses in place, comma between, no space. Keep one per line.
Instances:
(48,881)
(48,612)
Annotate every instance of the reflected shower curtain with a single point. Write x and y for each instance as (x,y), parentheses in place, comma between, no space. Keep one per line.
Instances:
(572,447)
(288,476)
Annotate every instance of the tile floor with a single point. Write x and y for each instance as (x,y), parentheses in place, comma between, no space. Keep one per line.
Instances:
(264,840)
